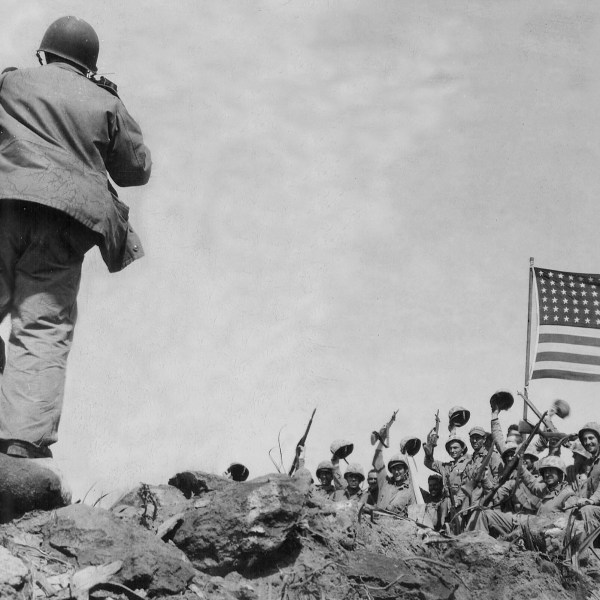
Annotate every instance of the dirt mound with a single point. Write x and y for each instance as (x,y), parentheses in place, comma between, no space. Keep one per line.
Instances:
(209,538)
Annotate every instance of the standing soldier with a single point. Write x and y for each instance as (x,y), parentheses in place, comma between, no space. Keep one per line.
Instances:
(354,476)
(456,448)
(470,477)
(325,488)
(62,135)
(395,492)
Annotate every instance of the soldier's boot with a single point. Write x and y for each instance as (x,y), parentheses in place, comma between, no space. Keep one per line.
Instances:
(28,484)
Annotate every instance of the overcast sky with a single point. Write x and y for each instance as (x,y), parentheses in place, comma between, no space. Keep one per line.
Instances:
(344,200)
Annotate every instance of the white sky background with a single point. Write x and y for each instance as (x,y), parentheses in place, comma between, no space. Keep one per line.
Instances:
(344,201)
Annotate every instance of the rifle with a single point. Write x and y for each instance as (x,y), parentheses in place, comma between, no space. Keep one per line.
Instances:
(300,445)
(513,462)
(427,447)
(470,485)
(384,433)
(455,525)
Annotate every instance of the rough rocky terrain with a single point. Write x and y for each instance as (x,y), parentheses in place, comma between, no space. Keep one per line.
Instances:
(205,537)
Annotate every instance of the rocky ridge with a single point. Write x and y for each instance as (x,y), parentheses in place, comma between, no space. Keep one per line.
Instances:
(206,537)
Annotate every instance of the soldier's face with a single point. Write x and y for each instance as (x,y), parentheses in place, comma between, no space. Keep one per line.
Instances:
(398,471)
(353,481)
(455,450)
(590,442)
(551,476)
(435,486)
(476,442)
(372,480)
(325,477)
(528,462)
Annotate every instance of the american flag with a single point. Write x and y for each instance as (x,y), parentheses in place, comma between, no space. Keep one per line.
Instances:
(568,345)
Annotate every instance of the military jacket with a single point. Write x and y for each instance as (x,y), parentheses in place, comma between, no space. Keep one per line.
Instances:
(592,486)
(452,470)
(552,500)
(344,496)
(61,136)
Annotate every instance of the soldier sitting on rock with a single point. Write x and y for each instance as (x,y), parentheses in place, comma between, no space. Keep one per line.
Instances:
(554,493)
(589,502)
(514,495)
(354,476)
(577,473)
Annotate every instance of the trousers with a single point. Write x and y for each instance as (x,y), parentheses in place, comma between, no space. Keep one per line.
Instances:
(41,254)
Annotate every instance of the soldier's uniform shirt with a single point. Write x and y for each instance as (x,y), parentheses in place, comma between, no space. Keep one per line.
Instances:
(345,496)
(325,491)
(551,500)
(396,498)
(515,497)
(451,470)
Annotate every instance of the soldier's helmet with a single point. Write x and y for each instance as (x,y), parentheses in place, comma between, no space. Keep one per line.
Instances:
(531,455)
(73,39)
(577,448)
(238,471)
(455,438)
(324,465)
(591,426)
(397,459)
(552,462)
(458,416)
(341,448)
(355,469)
(510,447)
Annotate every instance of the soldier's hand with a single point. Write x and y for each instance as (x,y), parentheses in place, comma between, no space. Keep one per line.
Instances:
(432,438)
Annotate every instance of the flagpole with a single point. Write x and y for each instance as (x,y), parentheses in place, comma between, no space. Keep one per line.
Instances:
(528,335)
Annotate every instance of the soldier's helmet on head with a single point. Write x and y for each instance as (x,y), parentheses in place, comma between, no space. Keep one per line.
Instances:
(74,40)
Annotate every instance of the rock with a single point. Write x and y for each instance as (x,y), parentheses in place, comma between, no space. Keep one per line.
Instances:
(26,485)
(476,547)
(150,506)
(243,524)
(15,581)
(94,536)
(385,577)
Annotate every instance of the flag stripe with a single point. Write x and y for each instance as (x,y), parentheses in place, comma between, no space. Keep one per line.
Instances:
(582,359)
(555,374)
(576,368)
(565,330)
(579,340)
(565,348)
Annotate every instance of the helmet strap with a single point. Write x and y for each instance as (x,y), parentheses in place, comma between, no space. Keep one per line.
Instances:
(41,56)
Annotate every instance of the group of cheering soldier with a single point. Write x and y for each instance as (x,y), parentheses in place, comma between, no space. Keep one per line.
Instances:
(495,483)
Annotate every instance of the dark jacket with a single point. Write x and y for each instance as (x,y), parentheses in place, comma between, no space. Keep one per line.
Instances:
(60,137)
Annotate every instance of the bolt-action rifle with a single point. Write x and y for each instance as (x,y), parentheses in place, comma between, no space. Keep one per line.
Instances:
(514,461)
(454,524)
(433,436)
(300,445)
(469,486)
(383,435)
